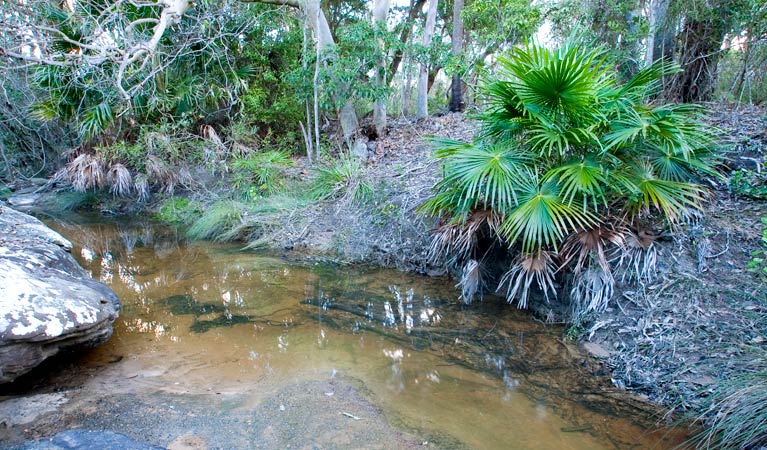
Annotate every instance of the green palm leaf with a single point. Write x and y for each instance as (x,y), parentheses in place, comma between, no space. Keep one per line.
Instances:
(581,180)
(673,199)
(542,218)
(485,175)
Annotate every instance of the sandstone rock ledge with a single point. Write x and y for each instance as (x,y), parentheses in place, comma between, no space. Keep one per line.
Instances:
(47,301)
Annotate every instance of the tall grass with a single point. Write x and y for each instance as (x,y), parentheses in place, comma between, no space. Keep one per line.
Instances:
(737,411)
(347,180)
(219,221)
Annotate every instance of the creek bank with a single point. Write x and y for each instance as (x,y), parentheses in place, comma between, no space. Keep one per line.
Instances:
(671,341)
(48,302)
(304,413)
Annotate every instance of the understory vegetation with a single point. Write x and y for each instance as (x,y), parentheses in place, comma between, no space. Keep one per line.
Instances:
(574,173)
(581,179)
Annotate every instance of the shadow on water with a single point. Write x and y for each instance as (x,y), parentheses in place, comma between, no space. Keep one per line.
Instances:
(406,337)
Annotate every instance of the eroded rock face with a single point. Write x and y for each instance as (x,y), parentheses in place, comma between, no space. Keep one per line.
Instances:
(47,301)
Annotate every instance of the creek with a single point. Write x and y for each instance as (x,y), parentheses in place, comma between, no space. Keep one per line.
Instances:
(206,319)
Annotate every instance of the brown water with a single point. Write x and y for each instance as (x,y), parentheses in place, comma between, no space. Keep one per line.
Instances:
(202,317)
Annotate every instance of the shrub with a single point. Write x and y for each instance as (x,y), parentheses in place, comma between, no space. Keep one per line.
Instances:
(178,211)
(567,162)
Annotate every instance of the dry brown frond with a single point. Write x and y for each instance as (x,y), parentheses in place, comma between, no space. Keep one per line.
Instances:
(472,281)
(160,174)
(638,259)
(86,172)
(593,241)
(456,241)
(71,154)
(526,268)
(591,292)
(141,185)
(209,133)
(119,180)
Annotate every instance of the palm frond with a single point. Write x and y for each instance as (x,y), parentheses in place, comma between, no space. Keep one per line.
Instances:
(485,174)
(472,281)
(96,120)
(638,258)
(525,269)
(592,244)
(86,172)
(455,241)
(543,218)
(583,180)
(119,180)
(591,292)
(673,199)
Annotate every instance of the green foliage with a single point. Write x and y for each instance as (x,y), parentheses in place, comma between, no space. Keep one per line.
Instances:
(346,179)
(758,263)
(565,148)
(219,221)
(5,193)
(262,171)
(749,183)
(132,155)
(178,211)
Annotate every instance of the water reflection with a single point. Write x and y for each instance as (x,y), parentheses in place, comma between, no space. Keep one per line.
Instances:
(485,375)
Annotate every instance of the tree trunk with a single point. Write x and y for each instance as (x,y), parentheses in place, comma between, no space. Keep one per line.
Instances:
(699,58)
(456,87)
(347,117)
(422,107)
(415,9)
(657,28)
(380,11)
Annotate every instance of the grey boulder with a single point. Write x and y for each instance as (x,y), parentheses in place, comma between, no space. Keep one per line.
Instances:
(47,301)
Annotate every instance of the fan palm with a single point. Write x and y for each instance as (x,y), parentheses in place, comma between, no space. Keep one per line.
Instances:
(568,154)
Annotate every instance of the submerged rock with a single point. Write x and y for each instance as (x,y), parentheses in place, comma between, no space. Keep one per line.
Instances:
(88,440)
(47,301)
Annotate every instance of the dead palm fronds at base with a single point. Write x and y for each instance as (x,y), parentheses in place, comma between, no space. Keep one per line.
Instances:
(525,269)
(86,172)
(120,180)
(472,281)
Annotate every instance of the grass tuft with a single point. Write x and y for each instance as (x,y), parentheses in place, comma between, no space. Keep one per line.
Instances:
(218,221)
(347,180)
(737,414)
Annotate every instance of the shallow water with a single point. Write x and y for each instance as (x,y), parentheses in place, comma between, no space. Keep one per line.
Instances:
(201,317)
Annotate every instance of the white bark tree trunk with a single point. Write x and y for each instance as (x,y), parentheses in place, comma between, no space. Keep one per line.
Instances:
(422,106)
(656,18)
(380,11)
(347,117)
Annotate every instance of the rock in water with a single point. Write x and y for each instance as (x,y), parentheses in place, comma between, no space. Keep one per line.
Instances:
(88,440)
(47,301)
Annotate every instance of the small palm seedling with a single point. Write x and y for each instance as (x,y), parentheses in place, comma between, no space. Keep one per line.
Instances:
(567,163)
(262,171)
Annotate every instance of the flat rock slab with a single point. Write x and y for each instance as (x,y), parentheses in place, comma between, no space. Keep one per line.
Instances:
(47,301)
